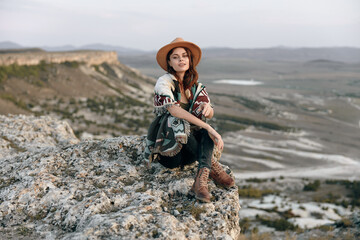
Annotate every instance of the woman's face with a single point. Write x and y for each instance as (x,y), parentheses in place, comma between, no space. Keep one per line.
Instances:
(179,60)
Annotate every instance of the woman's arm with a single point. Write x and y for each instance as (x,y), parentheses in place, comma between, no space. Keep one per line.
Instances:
(207,110)
(178,112)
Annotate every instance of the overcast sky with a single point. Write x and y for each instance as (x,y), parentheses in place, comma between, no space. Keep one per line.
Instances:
(149,24)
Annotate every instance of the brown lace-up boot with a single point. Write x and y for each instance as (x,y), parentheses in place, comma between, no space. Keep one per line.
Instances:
(218,174)
(200,186)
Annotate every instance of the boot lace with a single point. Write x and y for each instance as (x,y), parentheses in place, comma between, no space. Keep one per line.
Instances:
(204,174)
(215,167)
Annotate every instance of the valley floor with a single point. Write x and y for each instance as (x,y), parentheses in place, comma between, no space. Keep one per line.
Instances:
(297,184)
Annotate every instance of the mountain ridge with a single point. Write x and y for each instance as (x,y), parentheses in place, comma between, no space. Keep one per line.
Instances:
(277,53)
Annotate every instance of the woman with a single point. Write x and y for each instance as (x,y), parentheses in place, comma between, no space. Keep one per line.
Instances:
(180,100)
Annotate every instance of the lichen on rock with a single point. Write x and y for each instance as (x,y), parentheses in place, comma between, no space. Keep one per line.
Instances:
(102,189)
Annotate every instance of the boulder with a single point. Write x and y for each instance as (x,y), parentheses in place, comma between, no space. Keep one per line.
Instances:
(102,190)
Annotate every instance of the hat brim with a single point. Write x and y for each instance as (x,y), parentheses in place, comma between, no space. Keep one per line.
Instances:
(162,53)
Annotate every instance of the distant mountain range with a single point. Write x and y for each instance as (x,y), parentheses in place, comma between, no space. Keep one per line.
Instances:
(9,45)
(340,54)
(96,46)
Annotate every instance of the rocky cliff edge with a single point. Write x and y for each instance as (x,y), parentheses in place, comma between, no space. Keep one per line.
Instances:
(54,187)
(34,58)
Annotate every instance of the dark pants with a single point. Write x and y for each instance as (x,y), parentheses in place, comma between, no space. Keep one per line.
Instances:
(198,148)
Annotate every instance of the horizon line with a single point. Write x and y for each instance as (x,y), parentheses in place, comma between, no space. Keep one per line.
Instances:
(138,49)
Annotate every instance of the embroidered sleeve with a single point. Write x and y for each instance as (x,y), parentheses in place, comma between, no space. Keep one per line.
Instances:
(162,103)
(164,96)
(201,97)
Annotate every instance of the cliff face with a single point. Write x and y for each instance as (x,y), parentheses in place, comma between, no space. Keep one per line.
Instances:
(34,58)
(100,189)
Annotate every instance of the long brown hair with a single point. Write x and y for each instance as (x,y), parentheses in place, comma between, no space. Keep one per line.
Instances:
(191,76)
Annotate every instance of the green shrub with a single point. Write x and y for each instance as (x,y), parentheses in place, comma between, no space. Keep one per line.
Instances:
(106,69)
(13,99)
(71,64)
(314,186)
(256,180)
(353,95)
(353,186)
(279,224)
(250,192)
(244,225)
(24,72)
(72,101)
(316,215)
(3,75)
(325,228)
(344,223)
(328,198)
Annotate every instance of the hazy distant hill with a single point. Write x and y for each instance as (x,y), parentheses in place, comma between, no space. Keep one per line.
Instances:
(213,67)
(9,45)
(341,54)
(338,54)
(118,49)
(97,46)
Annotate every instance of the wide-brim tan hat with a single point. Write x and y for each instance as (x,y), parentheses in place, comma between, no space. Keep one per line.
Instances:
(178,42)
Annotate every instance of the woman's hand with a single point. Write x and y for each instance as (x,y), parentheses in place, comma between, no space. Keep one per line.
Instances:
(216,137)
(207,110)
(178,112)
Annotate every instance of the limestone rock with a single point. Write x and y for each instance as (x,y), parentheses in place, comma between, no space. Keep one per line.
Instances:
(20,133)
(102,190)
(34,58)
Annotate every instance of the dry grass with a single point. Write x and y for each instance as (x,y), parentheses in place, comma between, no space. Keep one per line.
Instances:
(255,236)
(264,236)
(345,235)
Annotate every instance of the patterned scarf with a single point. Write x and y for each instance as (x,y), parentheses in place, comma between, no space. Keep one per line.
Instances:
(166,133)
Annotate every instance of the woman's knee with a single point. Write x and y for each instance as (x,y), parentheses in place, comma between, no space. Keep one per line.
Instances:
(206,138)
